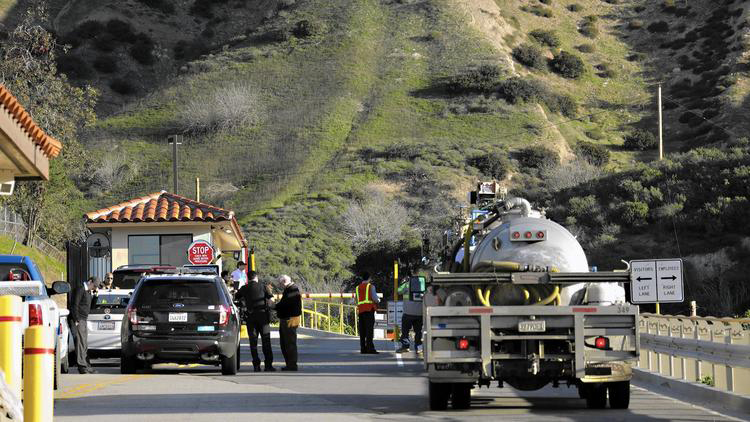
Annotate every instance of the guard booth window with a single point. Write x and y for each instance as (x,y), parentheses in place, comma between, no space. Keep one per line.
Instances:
(159,249)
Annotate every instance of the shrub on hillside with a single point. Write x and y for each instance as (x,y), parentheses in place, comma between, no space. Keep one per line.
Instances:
(595,134)
(495,164)
(143,50)
(588,28)
(208,33)
(164,6)
(273,35)
(633,212)
(89,29)
(595,154)
(74,67)
(105,64)
(70,39)
(660,26)
(228,107)
(120,30)
(563,104)
(190,50)
(122,86)
(105,42)
(530,56)
(640,140)
(547,2)
(205,8)
(635,24)
(537,157)
(481,79)
(568,65)
(575,7)
(585,48)
(516,90)
(306,28)
(538,10)
(546,37)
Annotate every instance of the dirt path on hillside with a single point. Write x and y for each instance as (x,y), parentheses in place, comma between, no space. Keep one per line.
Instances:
(561,144)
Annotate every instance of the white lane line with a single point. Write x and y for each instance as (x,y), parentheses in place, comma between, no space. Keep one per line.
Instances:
(695,406)
(399,361)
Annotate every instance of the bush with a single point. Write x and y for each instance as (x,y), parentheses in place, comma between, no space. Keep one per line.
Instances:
(495,164)
(190,50)
(515,90)
(568,65)
(121,30)
(588,27)
(306,28)
(481,79)
(164,6)
(585,48)
(89,29)
(105,42)
(547,2)
(563,104)
(530,56)
(143,50)
(636,57)
(660,26)
(122,86)
(635,24)
(208,32)
(633,212)
(537,157)
(595,134)
(640,140)
(575,7)
(595,154)
(546,37)
(105,64)
(230,107)
(74,67)
(538,10)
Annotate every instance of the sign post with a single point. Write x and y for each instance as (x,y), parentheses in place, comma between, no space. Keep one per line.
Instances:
(656,280)
(200,252)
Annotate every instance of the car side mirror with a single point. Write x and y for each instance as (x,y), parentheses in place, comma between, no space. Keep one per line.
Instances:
(58,288)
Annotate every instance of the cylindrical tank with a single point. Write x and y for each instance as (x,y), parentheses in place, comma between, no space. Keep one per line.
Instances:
(557,248)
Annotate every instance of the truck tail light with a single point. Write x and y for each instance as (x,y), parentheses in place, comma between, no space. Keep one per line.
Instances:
(224,313)
(463,344)
(133,315)
(601,343)
(35,315)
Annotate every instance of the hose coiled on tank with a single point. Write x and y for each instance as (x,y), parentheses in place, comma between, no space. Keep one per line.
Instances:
(484,296)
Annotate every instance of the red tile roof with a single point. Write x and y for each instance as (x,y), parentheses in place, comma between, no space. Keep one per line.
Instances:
(159,207)
(49,145)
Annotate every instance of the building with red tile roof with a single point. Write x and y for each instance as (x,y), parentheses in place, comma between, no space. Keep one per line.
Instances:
(157,229)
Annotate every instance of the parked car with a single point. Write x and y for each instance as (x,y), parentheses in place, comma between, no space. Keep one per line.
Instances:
(181,318)
(104,322)
(39,308)
(126,277)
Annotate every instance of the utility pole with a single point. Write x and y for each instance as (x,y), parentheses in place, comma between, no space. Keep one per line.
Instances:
(661,140)
(197,189)
(174,140)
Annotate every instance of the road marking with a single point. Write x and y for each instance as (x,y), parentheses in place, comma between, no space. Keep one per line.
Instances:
(695,406)
(399,360)
(83,389)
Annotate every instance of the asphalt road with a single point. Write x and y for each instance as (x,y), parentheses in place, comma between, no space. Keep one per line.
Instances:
(335,383)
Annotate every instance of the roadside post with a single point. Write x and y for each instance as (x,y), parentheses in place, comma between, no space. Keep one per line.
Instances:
(38,358)
(396,327)
(10,341)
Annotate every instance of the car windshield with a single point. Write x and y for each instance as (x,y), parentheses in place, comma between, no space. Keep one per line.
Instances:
(194,292)
(126,279)
(109,301)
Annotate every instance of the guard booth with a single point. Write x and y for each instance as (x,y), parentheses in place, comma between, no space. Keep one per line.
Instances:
(156,229)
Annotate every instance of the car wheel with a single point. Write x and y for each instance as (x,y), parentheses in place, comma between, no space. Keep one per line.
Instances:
(596,396)
(229,365)
(127,364)
(461,396)
(619,394)
(439,394)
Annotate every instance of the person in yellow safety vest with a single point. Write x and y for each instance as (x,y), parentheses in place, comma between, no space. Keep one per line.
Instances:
(367,303)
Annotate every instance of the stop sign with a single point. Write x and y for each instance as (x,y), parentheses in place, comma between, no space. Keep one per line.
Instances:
(200,252)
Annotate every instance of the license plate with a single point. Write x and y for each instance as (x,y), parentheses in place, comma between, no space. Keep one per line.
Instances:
(106,325)
(178,317)
(532,326)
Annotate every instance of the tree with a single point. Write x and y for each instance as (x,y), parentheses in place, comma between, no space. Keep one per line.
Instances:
(28,70)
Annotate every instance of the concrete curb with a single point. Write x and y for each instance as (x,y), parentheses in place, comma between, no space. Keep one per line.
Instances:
(733,404)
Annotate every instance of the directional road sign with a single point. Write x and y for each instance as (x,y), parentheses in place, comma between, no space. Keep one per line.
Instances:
(656,280)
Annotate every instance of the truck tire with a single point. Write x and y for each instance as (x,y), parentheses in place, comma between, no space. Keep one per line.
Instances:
(619,394)
(439,395)
(596,396)
(461,396)
(229,365)
(128,364)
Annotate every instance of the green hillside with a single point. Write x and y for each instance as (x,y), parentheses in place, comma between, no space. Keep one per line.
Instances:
(345,134)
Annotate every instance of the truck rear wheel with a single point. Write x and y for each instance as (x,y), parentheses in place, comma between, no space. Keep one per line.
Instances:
(439,395)
(596,396)
(461,396)
(619,394)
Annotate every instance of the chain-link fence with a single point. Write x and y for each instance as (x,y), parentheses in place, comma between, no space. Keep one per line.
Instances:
(13,226)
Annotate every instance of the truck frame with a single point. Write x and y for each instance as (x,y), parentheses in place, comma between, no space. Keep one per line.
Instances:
(529,346)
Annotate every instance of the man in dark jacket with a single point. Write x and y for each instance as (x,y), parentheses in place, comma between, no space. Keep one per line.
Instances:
(257,297)
(79,313)
(289,310)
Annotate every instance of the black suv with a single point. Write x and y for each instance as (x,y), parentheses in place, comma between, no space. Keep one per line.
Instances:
(181,318)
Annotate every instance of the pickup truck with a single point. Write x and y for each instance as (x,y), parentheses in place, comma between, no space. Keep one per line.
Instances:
(16,271)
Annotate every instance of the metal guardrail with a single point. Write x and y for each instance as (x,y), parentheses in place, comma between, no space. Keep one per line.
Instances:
(715,351)
(328,316)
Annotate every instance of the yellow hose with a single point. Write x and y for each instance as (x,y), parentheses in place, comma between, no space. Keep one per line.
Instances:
(500,265)
(547,300)
(525,297)
(485,299)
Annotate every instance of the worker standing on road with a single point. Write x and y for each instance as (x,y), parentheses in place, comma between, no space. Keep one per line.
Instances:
(79,313)
(239,276)
(367,303)
(411,318)
(257,297)
(289,310)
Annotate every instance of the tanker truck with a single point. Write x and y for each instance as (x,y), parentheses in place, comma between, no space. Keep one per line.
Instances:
(514,302)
